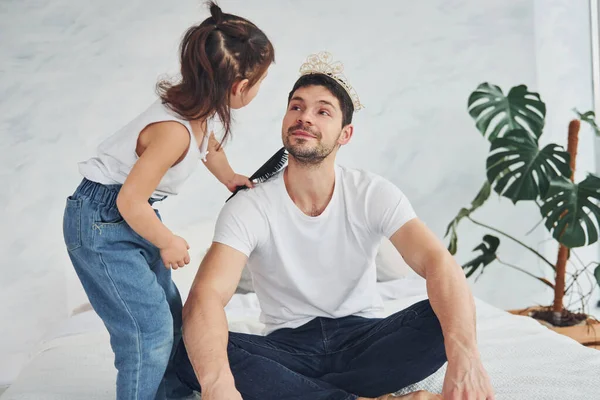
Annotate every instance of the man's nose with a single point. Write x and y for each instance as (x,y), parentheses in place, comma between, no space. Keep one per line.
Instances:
(305,118)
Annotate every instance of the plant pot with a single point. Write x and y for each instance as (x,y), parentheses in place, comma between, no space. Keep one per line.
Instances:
(586,332)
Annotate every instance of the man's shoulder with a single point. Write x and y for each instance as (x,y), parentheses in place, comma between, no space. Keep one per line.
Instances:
(360,179)
(366,187)
(258,197)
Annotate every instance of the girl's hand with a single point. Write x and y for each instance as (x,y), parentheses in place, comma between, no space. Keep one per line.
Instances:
(175,254)
(238,180)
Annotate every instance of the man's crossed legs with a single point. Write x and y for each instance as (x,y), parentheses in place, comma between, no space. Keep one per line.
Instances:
(333,359)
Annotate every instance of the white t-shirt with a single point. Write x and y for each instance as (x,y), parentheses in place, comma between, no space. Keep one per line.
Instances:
(304,267)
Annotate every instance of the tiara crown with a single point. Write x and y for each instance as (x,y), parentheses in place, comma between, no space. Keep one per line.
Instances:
(322,63)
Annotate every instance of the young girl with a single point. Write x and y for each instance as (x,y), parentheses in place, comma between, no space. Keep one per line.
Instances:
(120,249)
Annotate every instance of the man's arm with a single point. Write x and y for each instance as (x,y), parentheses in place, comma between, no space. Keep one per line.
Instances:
(453,303)
(205,329)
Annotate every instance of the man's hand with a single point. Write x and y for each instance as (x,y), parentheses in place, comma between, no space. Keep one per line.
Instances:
(466,379)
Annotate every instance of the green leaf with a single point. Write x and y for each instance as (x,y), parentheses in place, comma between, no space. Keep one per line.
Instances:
(597,274)
(589,117)
(571,211)
(482,196)
(496,114)
(453,246)
(488,255)
(520,170)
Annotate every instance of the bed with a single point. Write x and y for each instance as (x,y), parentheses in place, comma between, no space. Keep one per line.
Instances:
(524,359)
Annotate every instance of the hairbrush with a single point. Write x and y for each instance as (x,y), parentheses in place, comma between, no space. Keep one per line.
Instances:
(267,170)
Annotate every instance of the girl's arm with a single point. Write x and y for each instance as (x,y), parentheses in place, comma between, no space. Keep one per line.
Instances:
(218,165)
(164,144)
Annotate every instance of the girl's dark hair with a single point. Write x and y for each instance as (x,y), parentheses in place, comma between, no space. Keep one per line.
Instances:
(223,49)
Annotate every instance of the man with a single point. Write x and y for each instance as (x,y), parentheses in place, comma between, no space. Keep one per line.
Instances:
(309,236)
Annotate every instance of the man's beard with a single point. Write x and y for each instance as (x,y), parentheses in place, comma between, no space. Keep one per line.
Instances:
(306,155)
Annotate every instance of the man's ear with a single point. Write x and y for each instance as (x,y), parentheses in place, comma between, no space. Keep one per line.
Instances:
(346,134)
(239,87)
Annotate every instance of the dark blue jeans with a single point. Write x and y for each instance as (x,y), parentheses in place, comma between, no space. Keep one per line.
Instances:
(333,359)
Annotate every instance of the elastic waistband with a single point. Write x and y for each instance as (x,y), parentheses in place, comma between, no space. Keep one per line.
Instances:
(103,194)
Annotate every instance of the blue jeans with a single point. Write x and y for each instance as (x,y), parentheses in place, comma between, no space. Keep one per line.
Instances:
(130,289)
(333,359)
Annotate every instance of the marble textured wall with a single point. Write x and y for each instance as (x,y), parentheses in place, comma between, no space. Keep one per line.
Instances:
(74,72)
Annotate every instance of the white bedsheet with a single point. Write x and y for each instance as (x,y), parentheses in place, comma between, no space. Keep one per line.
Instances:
(525,360)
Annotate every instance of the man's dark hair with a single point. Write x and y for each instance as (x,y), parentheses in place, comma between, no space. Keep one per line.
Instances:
(333,86)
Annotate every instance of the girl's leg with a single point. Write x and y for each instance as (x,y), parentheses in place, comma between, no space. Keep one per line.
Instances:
(173,387)
(113,264)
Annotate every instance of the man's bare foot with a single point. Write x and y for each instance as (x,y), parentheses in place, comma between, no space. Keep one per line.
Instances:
(420,395)
(384,397)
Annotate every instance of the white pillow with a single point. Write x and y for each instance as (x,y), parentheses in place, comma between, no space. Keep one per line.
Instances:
(390,264)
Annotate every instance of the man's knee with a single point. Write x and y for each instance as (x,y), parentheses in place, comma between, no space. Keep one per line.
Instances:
(421,317)
(429,325)
(424,316)
(423,308)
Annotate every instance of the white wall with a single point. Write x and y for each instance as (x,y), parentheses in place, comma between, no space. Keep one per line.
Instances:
(73,72)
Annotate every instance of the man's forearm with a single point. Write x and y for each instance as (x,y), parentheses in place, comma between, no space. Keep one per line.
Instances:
(205,334)
(453,303)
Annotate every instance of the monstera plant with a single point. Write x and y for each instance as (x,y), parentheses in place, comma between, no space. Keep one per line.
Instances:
(520,169)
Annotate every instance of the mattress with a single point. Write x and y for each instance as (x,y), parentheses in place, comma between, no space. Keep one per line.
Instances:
(524,359)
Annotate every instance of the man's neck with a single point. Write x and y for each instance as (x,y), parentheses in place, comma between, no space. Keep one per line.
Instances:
(310,186)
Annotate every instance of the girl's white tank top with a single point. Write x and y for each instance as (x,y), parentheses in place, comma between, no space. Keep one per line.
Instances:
(117,154)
